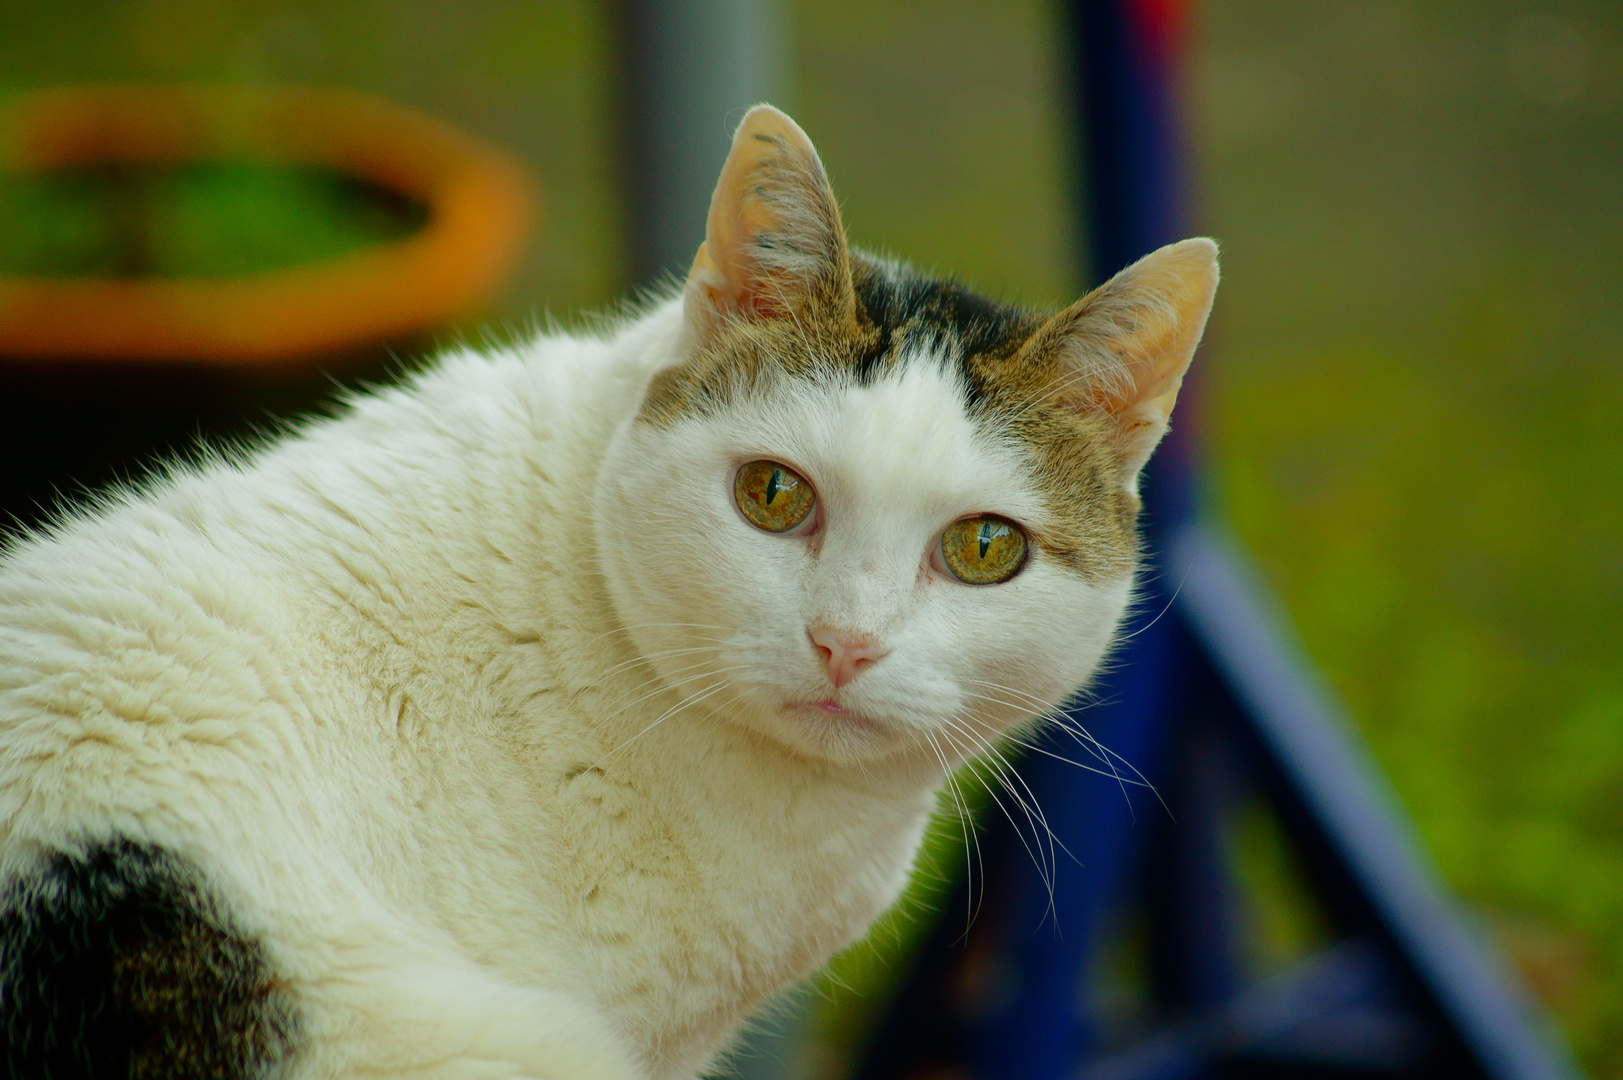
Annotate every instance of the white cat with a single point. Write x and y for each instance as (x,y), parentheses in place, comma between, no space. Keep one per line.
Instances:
(543,716)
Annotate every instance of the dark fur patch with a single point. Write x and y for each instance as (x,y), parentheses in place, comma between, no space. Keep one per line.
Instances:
(114,962)
(906,310)
(895,311)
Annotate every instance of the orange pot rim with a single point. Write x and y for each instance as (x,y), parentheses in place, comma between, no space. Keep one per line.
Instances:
(481,206)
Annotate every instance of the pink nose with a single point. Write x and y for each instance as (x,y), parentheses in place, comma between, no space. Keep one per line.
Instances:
(843,653)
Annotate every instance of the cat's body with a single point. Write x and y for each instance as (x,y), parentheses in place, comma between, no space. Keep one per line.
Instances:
(478,732)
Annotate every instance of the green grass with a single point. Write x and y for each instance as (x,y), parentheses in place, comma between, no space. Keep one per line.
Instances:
(1413,406)
(1442,554)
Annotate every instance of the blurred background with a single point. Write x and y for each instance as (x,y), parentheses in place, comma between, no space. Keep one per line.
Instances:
(1411,399)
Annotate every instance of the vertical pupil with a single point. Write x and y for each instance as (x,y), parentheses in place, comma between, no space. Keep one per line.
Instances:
(772,486)
(986,537)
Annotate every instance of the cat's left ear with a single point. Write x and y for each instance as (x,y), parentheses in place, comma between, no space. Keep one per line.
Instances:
(774,246)
(1121,351)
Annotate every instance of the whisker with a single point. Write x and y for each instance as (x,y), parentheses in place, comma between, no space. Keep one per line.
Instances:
(694,699)
(661,654)
(627,628)
(1064,721)
(1042,868)
(1170,601)
(1006,769)
(620,705)
(972,898)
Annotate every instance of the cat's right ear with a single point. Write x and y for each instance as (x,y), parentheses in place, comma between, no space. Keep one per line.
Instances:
(774,246)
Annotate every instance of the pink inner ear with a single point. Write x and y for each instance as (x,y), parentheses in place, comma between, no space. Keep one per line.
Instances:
(751,290)
(762,306)
(748,295)
(1154,394)
(772,187)
(737,218)
(1118,388)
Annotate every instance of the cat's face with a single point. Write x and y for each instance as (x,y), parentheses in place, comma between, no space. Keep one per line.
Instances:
(865,513)
(848,633)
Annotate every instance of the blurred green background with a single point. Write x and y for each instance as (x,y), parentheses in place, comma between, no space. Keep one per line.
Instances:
(1412,393)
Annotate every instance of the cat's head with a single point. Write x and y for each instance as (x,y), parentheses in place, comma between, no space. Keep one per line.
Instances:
(866,513)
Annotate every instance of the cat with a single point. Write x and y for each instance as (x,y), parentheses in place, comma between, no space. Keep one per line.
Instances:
(546,714)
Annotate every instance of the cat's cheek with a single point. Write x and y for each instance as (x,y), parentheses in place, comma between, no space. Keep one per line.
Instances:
(1076,627)
(1022,647)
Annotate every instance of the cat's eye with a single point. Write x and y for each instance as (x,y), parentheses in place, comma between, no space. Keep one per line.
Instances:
(772,496)
(983,550)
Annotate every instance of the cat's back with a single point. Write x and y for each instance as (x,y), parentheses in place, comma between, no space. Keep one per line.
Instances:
(227,614)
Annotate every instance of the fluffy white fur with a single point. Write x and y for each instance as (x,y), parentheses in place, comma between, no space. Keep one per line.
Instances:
(392,685)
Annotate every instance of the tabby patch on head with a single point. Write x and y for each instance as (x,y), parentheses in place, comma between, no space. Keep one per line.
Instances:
(964,474)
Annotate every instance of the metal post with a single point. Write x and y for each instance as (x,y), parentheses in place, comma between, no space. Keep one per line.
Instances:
(691,68)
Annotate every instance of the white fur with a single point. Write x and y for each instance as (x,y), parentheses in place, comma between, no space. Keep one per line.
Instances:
(410,688)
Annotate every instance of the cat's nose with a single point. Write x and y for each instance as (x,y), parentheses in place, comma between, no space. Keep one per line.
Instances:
(843,653)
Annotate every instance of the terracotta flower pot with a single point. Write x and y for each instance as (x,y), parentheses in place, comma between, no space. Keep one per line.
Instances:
(480,206)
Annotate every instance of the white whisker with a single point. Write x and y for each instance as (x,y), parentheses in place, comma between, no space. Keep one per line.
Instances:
(972,899)
(1006,770)
(1043,868)
(1052,716)
(692,699)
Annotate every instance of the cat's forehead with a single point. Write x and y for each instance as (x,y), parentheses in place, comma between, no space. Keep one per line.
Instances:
(905,314)
(903,437)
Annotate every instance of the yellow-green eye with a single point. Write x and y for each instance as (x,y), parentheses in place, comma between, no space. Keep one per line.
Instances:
(983,550)
(774,497)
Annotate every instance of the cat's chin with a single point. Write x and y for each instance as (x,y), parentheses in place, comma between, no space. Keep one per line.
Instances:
(839,714)
(841,734)
(831,731)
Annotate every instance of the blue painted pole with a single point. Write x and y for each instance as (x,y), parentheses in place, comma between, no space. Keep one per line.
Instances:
(1037,1022)
(1015,1005)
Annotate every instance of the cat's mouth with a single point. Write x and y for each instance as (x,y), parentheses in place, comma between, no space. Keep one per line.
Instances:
(833,710)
